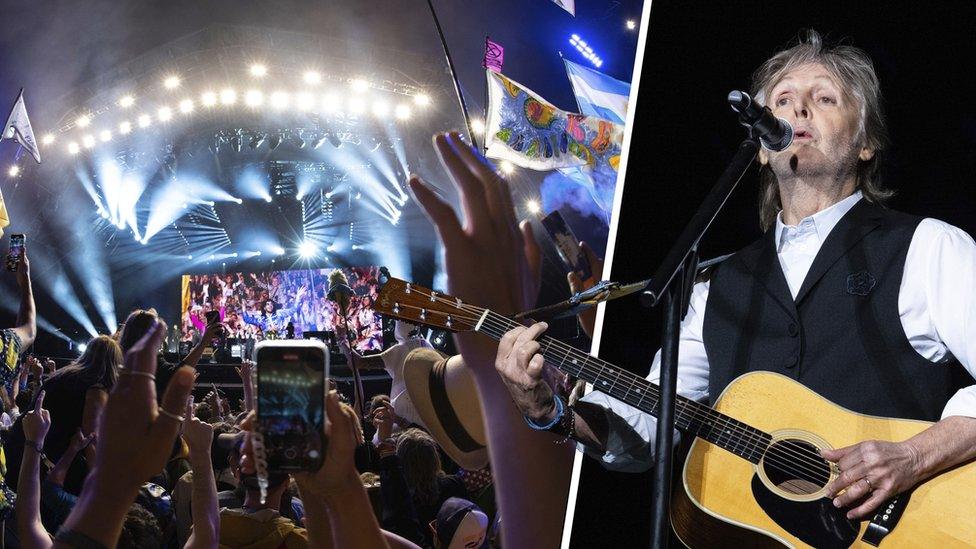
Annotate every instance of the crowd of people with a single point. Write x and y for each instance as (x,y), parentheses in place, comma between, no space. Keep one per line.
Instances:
(111,450)
(263,305)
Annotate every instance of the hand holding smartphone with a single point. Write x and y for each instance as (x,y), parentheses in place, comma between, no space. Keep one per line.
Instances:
(290,404)
(16,251)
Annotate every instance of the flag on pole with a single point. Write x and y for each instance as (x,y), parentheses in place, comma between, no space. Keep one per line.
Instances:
(568,5)
(598,94)
(528,131)
(18,128)
(494,56)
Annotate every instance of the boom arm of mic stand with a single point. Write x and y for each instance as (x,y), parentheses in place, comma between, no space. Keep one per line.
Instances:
(674,280)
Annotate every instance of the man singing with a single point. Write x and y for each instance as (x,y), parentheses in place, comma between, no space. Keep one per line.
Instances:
(871,308)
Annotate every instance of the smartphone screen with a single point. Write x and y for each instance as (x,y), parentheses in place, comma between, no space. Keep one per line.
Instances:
(567,245)
(16,251)
(291,403)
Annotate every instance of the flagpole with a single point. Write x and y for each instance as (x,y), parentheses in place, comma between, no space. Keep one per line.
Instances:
(484,116)
(450,65)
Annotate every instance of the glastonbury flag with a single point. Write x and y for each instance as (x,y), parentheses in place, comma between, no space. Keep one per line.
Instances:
(494,56)
(18,127)
(528,131)
(568,5)
(598,94)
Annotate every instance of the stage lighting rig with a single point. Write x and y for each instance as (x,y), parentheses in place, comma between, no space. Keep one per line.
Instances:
(319,141)
(256,140)
(275,141)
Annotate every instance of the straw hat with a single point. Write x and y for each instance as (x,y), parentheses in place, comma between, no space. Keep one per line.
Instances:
(442,390)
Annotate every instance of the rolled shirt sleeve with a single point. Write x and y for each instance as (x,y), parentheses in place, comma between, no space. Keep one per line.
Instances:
(630,440)
(943,259)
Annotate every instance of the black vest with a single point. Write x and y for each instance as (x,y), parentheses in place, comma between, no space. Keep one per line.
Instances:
(842,335)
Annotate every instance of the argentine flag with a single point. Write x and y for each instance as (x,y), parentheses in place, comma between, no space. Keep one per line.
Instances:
(597,94)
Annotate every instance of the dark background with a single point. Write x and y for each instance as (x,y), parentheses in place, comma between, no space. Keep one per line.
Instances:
(684,134)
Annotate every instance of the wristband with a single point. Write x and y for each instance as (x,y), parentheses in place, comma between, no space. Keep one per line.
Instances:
(36,446)
(560,410)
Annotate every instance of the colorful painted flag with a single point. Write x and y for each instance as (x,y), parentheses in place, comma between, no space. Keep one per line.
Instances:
(18,128)
(528,131)
(494,56)
(568,5)
(598,94)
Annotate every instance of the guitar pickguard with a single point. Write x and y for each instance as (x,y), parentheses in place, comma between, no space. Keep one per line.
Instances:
(817,523)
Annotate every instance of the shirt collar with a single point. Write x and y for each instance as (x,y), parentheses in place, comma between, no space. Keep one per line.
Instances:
(823,221)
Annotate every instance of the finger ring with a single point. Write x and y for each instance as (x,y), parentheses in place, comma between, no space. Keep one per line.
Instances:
(867,480)
(127,372)
(164,412)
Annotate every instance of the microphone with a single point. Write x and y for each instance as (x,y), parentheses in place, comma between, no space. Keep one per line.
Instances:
(775,134)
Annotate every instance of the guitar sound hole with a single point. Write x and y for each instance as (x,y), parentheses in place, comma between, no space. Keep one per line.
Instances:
(795,466)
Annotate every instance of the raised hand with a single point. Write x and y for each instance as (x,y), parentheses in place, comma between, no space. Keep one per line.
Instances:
(79,441)
(490,259)
(197,434)
(23,270)
(135,436)
(383,419)
(338,471)
(37,422)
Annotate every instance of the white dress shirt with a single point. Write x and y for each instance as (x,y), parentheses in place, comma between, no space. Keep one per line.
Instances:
(936,303)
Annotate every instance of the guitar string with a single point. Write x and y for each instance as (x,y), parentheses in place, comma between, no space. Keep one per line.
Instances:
(813,463)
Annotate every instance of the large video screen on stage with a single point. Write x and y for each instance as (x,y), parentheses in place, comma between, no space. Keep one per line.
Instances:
(262,304)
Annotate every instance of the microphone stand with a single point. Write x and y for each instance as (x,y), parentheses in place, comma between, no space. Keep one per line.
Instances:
(673,282)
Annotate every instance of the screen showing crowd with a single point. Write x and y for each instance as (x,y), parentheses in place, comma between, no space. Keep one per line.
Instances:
(260,305)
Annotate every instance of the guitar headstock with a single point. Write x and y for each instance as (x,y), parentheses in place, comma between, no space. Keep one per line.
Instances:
(418,305)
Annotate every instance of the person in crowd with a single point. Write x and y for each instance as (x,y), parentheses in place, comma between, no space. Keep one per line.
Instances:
(460,524)
(871,293)
(12,342)
(392,359)
(428,485)
(492,263)
(76,398)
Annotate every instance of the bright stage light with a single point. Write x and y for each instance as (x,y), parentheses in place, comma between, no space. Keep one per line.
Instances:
(82,347)
(306,249)
(359,85)
(190,257)
(209,99)
(402,112)
(278,250)
(83,121)
(258,70)
(73,148)
(144,241)
(14,171)
(381,109)
(171,82)
(228,96)
(267,198)
(164,114)
(105,136)
(127,101)
(312,77)
(253,98)
(357,105)
(88,141)
(186,106)
(631,24)
(144,120)
(506,167)
(47,139)
(422,99)
(125,127)
(304,101)
(279,100)
(478,126)
(533,206)
(233,254)
(238,200)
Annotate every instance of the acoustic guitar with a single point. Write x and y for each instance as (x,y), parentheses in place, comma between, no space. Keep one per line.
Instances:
(754,476)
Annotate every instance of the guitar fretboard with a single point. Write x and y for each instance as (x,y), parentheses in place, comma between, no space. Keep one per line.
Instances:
(690,417)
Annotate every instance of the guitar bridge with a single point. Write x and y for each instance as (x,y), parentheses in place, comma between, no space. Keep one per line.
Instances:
(885,520)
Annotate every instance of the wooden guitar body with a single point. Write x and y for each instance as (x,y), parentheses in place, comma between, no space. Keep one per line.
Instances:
(728,501)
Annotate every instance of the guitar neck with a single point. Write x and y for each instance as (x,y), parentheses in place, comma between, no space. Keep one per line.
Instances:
(690,417)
